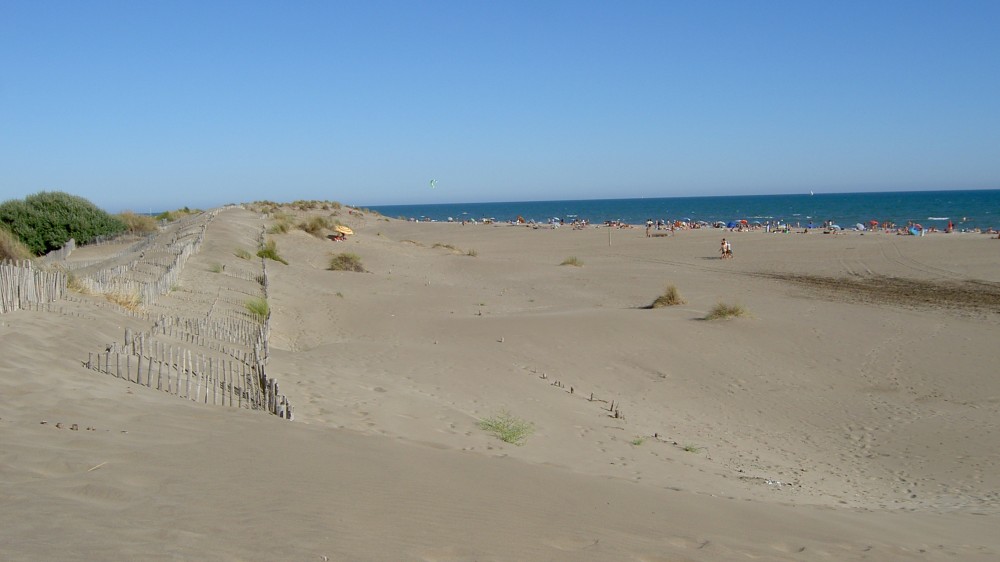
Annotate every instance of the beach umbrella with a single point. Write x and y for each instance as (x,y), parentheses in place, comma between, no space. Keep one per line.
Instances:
(731,224)
(343,230)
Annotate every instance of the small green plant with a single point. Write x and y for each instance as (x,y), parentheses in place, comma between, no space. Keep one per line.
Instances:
(339,294)
(572,260)
(242,254)
(258,308)
(472,253)
(689,448)
(638,441)
(670,297)
(346,261)
(723,310)
(270,251)
(215,268)
(507,428)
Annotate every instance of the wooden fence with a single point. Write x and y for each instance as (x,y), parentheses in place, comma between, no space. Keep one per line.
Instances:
(22,285)
(237,383)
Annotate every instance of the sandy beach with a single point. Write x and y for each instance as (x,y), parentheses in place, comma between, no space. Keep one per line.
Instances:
(850,414)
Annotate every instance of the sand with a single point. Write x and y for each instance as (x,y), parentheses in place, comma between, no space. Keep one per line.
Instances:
(851,414)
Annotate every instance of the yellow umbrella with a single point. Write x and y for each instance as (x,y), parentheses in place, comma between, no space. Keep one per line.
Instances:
(343,230)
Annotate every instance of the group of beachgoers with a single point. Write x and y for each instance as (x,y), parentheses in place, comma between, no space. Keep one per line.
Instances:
(743,225)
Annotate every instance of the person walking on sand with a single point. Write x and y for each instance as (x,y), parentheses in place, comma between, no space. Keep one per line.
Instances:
(725,249)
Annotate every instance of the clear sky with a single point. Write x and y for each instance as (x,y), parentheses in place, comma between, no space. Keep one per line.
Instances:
(156,105)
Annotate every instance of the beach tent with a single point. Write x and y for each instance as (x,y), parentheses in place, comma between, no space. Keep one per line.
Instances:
(731,224)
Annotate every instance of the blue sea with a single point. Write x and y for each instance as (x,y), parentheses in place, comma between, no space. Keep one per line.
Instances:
(966,209)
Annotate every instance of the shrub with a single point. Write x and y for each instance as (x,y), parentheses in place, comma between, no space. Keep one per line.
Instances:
(258,308)
(138,224)
(507,428)
(242,254)
(670,297)
(47,220)
(315,226)
(723,310)
(11,247)
(270,251)
(346,262)
(572,260)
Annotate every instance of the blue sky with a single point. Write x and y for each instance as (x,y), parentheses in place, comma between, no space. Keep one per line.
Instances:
(157,105)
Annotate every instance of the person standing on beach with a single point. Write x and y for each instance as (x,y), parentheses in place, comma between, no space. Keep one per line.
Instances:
(649,227)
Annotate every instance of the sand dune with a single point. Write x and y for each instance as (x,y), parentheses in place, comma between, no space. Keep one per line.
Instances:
(850,415)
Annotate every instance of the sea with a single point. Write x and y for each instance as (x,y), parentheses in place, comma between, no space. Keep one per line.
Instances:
(966,210)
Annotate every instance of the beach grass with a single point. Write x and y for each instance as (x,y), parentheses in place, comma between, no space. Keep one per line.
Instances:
(270,251)
(572,260)
(12,248)
(138,224)
(259,308)
(670,297)
(723,310)
(215,268)
(472,253)
(689,448)
(507,428)
(346,261)
(242,254)
(315,226)
(282,224)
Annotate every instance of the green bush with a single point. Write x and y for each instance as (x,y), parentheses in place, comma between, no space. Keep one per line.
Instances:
(346,262)
(47,220)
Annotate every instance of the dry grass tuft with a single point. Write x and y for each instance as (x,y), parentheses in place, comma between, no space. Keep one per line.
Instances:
(11,247)
(670,297)
(723,310)
(138,224)
(128,301)
(346,262)
(572,260)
